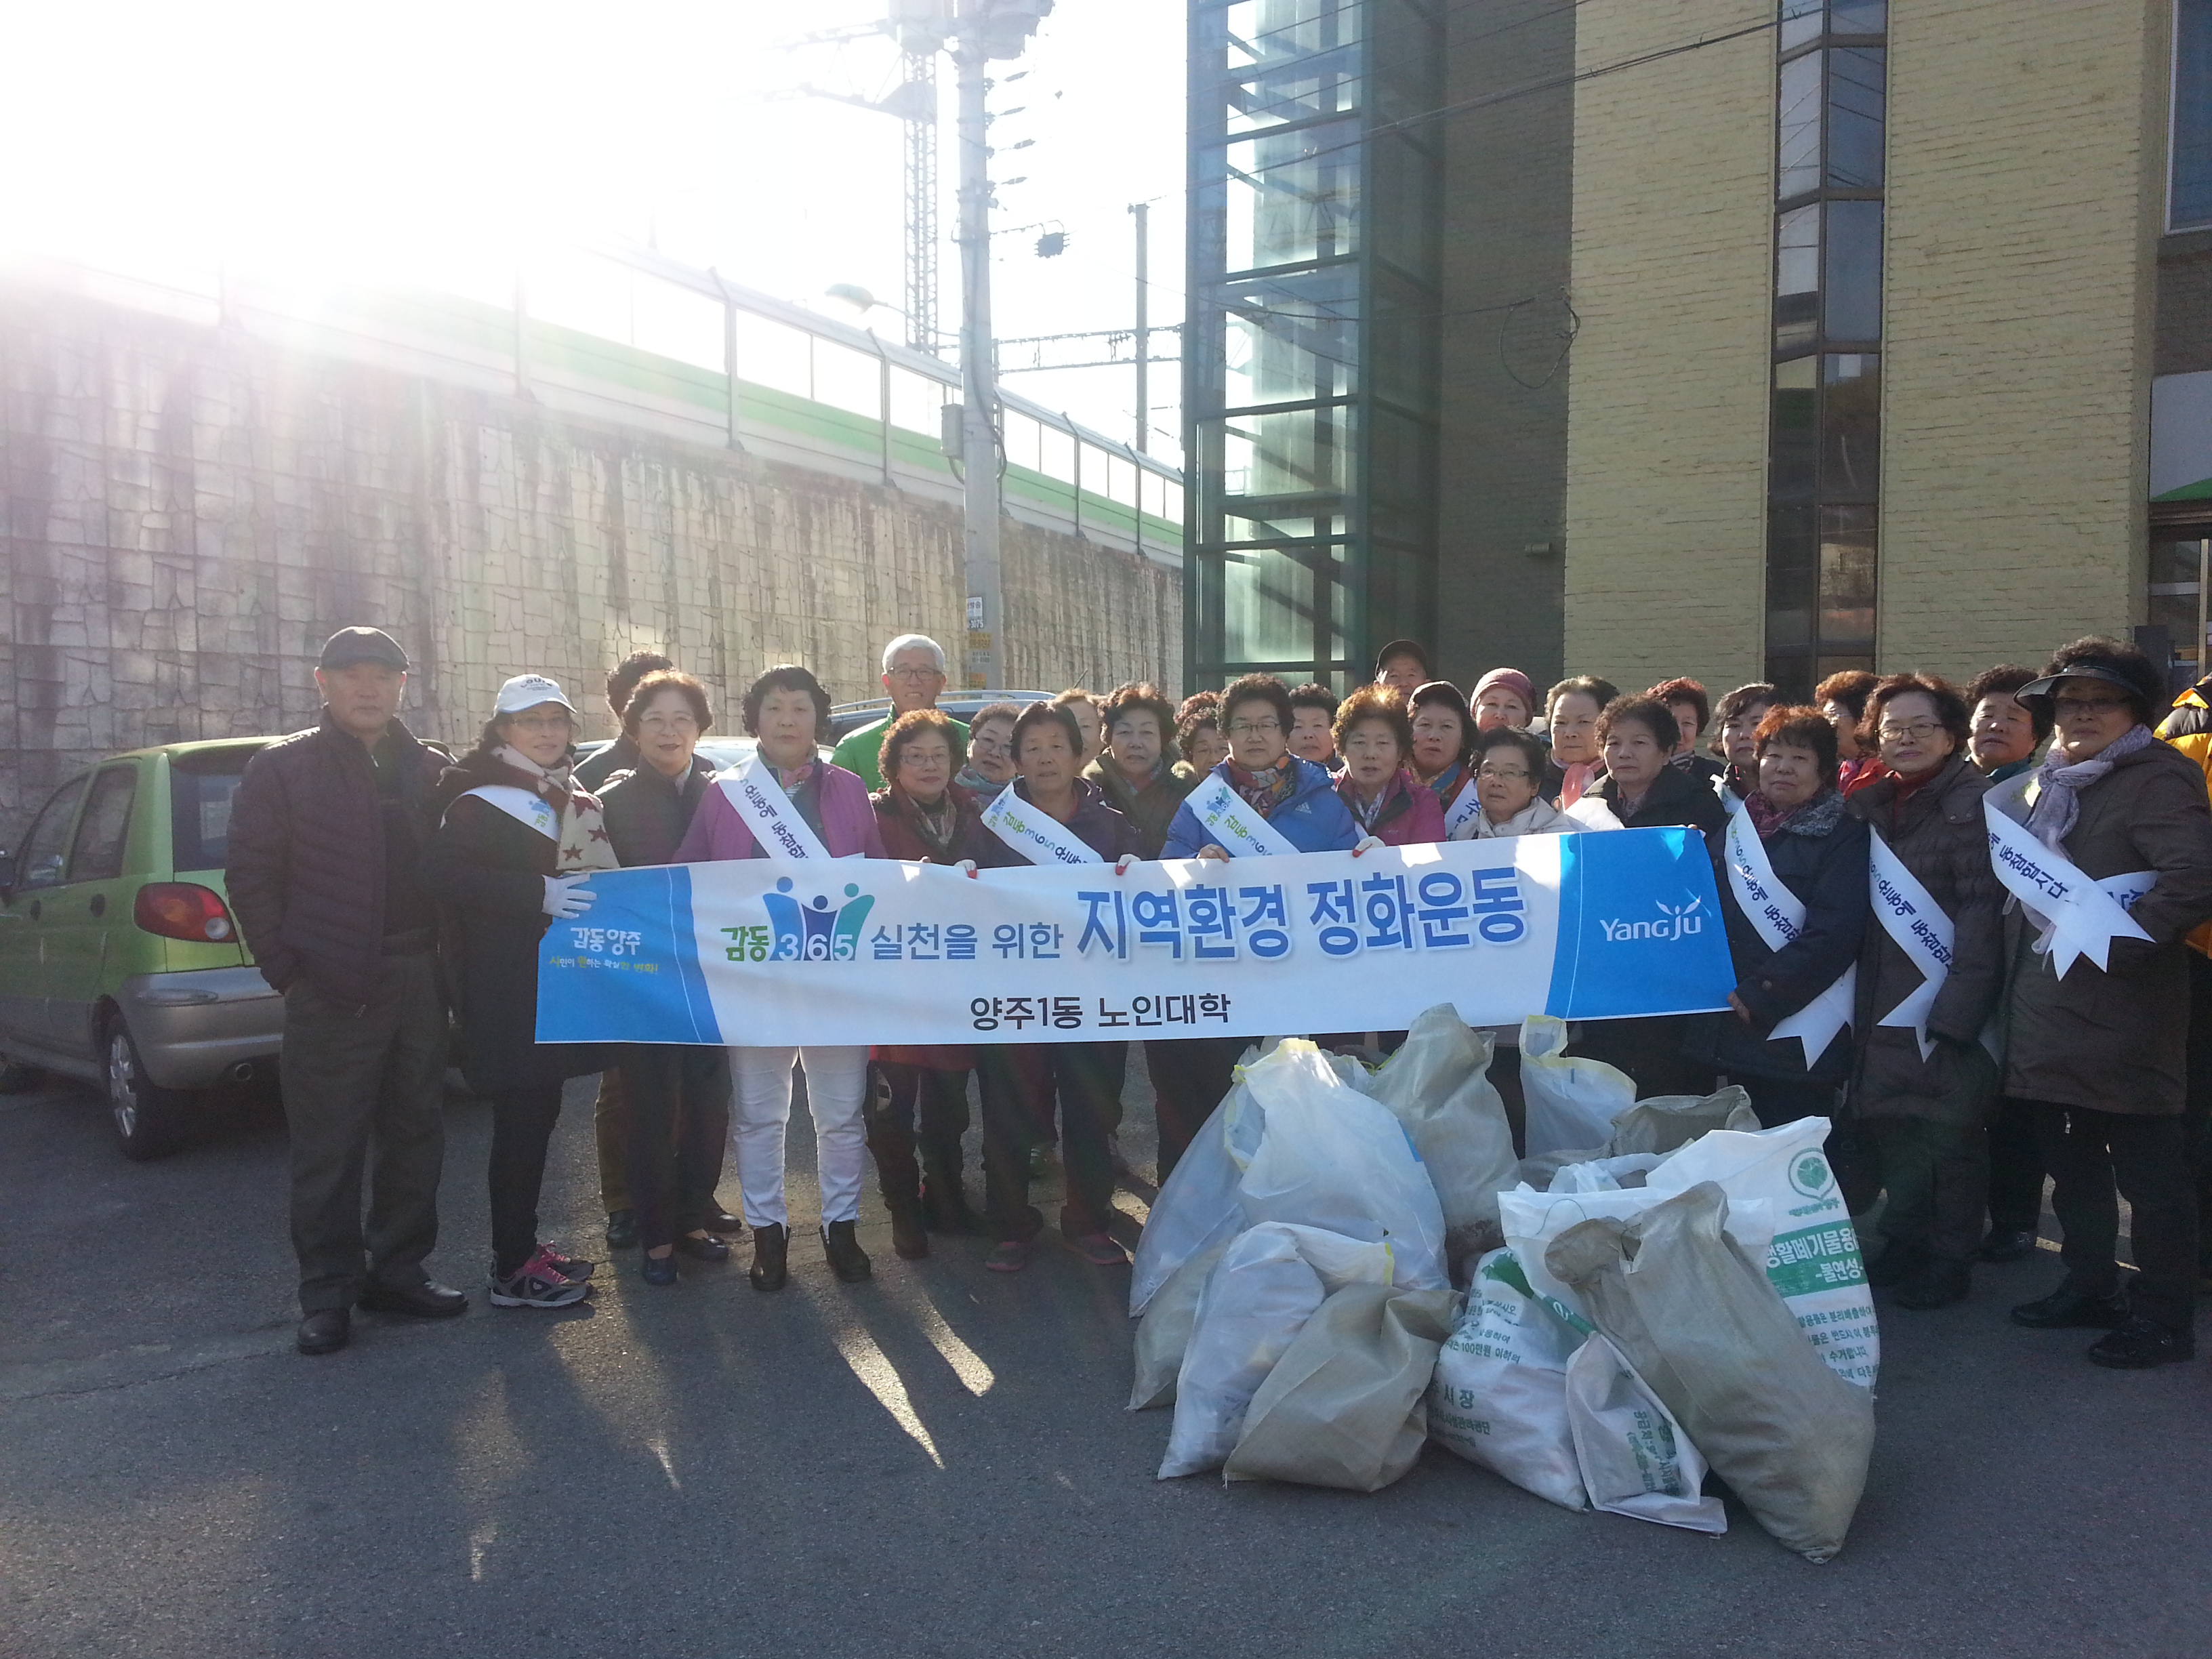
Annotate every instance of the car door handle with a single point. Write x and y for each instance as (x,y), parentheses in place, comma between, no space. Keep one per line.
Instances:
(99,905)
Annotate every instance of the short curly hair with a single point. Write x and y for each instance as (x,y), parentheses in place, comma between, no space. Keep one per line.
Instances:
(1443,694)
(912,724)
(2002,681)
(1804,727)
(1848,689)
(665,679)
(2145,684)
(1692,692)
(1951,710)
(1376,702)
(1197,721)
(788,677)
(1531,745)
(1653,715)
(1139,697)
(1055,715)
(1257,688)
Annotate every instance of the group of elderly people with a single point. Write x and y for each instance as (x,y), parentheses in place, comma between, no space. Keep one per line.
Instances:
(1958,1076)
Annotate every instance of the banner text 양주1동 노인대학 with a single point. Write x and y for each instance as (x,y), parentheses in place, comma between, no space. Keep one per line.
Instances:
(850,951)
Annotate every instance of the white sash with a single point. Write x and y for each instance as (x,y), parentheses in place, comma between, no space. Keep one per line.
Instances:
(1910,915)
(1592,811)
(1232,824)
(1033,832)
(768,812)
(520,804)
(1779,916)
(2079,917)
(1462,811)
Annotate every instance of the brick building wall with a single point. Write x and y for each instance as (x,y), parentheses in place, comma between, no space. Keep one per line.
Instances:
(2026,190)
(1673,255)
(191,512)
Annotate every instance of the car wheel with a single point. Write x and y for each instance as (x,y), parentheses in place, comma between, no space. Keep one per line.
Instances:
(18,1077)
(149,1119)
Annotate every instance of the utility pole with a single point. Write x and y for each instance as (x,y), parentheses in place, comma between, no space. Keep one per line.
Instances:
(1143,212)
(979,391)
(918,94)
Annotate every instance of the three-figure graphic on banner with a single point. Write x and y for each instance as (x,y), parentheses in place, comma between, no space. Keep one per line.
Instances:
(867,950)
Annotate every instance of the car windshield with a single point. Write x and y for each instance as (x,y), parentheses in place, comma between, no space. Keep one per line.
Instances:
(201,788)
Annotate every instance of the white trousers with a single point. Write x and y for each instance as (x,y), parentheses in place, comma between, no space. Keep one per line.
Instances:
(837,1086)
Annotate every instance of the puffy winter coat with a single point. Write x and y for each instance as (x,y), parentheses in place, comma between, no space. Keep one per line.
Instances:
(1939,837)
(1151,808)
(649,815)
(1674,799)
(848,825)
(1095,823)
(1312,819)
(1409,814)
(307,867)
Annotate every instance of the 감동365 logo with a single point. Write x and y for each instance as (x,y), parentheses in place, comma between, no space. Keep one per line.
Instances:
(1674,921)
(812,928)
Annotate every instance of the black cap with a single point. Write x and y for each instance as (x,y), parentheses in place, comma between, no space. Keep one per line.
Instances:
(2047,687)
(352,645)
(1413,649)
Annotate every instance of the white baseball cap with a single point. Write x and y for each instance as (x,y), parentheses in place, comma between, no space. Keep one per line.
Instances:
(527,691)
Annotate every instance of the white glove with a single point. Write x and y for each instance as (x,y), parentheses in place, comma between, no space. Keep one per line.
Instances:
(1122,865)
(966,867)
(567,897)
(1367,844)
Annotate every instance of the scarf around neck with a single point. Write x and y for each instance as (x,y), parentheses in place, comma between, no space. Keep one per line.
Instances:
(2059,785)
(1576,777)
(1263,791)
(582,843)
(1816,816)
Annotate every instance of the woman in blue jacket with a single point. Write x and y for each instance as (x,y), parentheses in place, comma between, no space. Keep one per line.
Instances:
(1297,799)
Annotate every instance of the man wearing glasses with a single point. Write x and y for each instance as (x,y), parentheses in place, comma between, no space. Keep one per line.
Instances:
(914,674)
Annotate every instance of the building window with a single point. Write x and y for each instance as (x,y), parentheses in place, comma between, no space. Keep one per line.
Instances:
(1824,426)
(1309,354)
(2189,189)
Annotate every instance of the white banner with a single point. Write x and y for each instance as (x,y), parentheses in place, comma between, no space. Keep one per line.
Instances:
(768,813)
(1237,830)
(1779,914)
(2079,917)
(1033,832)
(1922,929)
(750,952)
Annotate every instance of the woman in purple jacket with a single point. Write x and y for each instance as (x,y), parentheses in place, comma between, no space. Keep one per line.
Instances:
(788,712)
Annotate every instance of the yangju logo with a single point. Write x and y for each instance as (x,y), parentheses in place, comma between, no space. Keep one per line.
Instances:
(813,931)
(1675,922)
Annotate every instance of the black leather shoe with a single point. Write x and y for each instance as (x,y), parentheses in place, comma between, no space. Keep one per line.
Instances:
(847,1259)
(704,1249)
(2012,1245)
(1937,1285)
(622,1230)
(1896,1264)
(660,1269)
(908,1237)
(945,1209)
(325,1331)
(771,1253)
(2067,1310)
(721,1221)
(422,1301)
(2142,1343)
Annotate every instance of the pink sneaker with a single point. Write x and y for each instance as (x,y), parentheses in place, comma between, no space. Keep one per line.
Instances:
(1009,1257)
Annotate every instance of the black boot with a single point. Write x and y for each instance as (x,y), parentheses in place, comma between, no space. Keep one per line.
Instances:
(944,1204)
(771,1246)
(847,1259)
(910,1238)
(1937,1285)
(1897,1263)
(622,1230)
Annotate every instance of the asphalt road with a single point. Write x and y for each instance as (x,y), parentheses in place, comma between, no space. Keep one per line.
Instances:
(936,1463)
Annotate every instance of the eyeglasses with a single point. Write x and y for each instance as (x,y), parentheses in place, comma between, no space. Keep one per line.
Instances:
(1504,773)
(1253,728)
(1918,731)
(925,672)
(2094,704)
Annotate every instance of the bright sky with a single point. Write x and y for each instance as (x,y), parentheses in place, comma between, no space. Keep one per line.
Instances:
(421,142)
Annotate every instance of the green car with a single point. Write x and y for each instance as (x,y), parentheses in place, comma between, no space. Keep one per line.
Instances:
(120,962)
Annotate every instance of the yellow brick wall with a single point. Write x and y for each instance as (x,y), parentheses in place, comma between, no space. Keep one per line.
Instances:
(2027,164)
(1667,442)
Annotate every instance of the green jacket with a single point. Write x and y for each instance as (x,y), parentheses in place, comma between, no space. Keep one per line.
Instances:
(862,751)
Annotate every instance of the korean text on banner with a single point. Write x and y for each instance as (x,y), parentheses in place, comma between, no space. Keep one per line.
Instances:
(870,951)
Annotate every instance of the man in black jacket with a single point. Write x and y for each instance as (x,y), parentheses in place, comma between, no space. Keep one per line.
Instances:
(325,836)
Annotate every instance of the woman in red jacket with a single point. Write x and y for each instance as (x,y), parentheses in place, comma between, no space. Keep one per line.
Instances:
(1375,735)
(924,817)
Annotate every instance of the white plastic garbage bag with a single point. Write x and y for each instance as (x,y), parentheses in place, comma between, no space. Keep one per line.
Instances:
(1265,1286)
(1633,1457)
(1664,1122)
(1164,1334)
(1198,1205)
(1438,1086)
(1813,1258)
(1700,1322)
(1331,1158)
(1571,1101)
(1499,1394)
(1343,1407)
(1605,1174)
